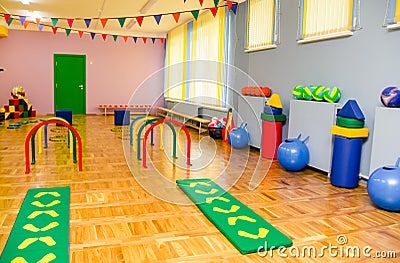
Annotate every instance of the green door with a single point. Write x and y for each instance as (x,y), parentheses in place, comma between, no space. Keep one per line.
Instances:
(70,83)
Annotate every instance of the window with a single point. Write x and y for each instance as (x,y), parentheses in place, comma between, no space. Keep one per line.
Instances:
(392,17)
(325,19)
(198,58)
(262,24)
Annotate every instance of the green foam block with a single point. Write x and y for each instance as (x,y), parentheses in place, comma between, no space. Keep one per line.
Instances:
(245,229)
(41,230)
(273,118)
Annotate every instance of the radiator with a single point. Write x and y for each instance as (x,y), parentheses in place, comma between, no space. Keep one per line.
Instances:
(314,119)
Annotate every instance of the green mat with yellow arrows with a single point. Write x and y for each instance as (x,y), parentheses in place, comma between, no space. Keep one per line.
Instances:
(41,230)
(245,229)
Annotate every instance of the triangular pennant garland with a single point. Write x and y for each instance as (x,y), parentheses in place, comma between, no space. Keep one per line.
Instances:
(68,31)
(7,17)
(176,16)
(234,8)
(158,18)
(121,21)
(37,20)
(26,23)
(70,22)
(22,19)
(139,19)
(80,33)
(54,29)
(104,36)
(54,21)
(135,39)
(195,14)
(162,40)
(103,21)
(40,27)
(144,39)
(115,38)
(216,2)
(214,11)
(153,40)
(201,2)
(229,5)
(125,38)
(92,35)
(87,22)
(10,21)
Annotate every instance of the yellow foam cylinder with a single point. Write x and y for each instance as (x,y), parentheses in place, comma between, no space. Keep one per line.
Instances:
(40,140)
(350,132)
(71,141)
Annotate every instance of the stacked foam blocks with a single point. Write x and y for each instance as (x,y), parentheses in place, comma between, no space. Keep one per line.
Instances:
(18,108)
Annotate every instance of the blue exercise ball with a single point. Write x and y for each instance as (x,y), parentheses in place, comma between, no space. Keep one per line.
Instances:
(390,97)
(293,154)
(238,137)
(384,187)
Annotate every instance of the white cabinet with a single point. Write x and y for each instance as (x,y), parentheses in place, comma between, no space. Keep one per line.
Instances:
(314,119)
(385,140)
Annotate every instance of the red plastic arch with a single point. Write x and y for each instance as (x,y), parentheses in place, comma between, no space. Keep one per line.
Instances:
(34,129)
(189,141)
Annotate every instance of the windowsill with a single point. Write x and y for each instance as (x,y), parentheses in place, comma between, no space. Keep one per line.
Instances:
(248,50)
(204,106)
(325,37)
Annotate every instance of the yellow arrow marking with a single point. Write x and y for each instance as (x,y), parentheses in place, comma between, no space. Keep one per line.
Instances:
(199,183)
(55,194)
(213,191)
(19,260)
(33,228)
(49,241)
(209,200)
(39,204)
(35,214)
(232,220)
(234,208)
(49,257)
(262,233)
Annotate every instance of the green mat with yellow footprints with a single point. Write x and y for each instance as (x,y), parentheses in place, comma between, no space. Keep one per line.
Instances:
(41,230)
(245,229)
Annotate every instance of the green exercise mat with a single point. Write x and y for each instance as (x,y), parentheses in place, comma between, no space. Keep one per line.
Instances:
(245,229)
(349,122)
(41,230)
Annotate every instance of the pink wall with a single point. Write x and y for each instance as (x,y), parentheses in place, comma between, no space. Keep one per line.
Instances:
(114,70)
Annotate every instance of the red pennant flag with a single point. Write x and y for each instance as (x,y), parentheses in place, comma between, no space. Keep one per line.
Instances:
(7,17)
(214,11)
(229,5)
(54,29)
(104,21)
(80,33)
(201,2)
(26,23)
(144,39)
(162,40)
(104,36)
(70,22)
(38,20)
(125,38)
(176,16)
(139,19)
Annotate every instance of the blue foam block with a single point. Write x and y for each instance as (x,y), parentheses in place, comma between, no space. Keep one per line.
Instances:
(351,110)
(65,114)
(122,117)
(272,110)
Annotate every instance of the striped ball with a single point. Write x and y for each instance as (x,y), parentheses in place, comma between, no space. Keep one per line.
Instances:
(298,92)
(332,94)
(317,93)
(307,93)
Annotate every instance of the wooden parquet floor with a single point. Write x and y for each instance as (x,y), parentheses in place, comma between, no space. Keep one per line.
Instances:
(125,213)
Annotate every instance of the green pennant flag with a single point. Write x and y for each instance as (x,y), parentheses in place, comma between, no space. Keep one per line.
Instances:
(195,14)
(115,38)
(54,21)
(122,21)
(10,21)
(216,2)
(68,31)
(153,39)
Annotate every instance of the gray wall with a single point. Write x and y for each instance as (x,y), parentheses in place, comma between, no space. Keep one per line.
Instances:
(361,65)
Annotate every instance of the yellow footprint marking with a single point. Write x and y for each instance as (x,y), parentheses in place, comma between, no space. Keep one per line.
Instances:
(49,257)
(39,204)
(262,233)
(232,220)
(33,228)
(19,260)
(35,214)
(234,208)
(55,194)
(49,241)
(209,200)
(199,183)
(213,191)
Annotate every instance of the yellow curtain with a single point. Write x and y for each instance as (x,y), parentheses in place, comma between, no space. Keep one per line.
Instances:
(397,12)
(322,17)
(260,23)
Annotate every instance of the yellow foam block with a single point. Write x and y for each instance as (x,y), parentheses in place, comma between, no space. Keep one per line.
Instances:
(3,31)
(274,101)
(11,108)
(350,132)
(29,106)
(7,115)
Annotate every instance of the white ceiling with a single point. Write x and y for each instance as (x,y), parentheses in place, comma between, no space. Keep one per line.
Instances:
(95,9)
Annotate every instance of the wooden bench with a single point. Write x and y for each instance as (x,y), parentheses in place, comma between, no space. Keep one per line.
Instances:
(134,108)
(188,120)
